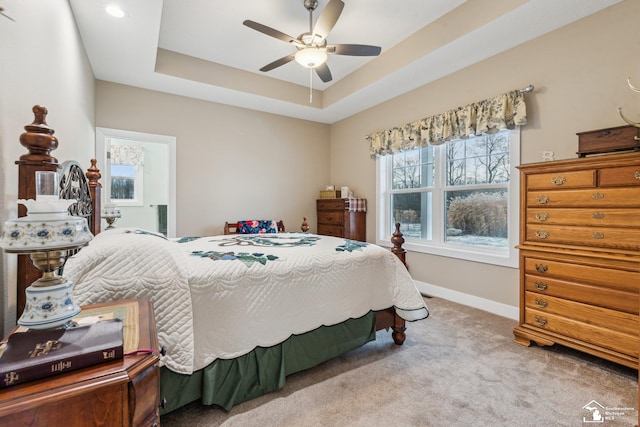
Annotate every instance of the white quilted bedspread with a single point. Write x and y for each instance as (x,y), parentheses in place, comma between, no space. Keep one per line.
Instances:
(222,296)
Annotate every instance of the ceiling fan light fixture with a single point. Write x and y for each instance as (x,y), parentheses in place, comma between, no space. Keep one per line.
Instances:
(311,57)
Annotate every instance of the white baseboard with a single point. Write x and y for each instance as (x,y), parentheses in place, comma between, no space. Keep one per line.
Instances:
(498,308)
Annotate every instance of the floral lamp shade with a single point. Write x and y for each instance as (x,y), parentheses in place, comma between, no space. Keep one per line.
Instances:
(45,230)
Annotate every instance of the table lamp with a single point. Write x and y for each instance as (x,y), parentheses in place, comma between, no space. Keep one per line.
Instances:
(111,213)
(46,234)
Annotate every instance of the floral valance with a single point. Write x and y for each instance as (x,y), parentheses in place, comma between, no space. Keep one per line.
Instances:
(501,112)
(127,155)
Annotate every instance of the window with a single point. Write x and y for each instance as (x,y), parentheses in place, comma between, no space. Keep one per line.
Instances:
(123,183)
(458,199)
(126,170)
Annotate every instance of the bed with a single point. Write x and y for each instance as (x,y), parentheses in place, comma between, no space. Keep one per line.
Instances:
(238,313)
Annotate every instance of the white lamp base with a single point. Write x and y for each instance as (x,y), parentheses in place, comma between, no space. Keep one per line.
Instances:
(49,306)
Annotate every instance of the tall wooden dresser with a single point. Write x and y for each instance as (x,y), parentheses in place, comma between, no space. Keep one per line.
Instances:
(336,218)
(580,255)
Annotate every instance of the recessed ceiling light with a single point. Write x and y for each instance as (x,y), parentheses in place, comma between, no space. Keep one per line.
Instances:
(114,10)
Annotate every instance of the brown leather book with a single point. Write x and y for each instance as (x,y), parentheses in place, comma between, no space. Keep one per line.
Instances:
(38,354)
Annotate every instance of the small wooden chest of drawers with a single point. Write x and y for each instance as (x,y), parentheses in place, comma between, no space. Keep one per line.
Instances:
(580,255)
(336,219)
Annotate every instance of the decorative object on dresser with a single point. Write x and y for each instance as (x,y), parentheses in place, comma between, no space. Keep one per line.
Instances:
(122,392)
(580,255)
(342,218)
(330,192)
(36,354)
(620,138)
(47,233)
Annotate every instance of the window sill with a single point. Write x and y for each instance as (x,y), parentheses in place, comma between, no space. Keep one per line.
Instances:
(503,259)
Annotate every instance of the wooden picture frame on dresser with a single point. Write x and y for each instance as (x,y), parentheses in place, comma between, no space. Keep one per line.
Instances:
(580,255)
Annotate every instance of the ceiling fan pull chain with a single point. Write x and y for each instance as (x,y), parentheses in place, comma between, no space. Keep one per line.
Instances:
(310,85)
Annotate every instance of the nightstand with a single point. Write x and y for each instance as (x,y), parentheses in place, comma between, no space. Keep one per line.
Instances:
(124,392)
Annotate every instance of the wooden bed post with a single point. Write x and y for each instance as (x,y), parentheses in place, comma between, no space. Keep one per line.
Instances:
(389,318)
(95,188)
(39,140)
(397,241)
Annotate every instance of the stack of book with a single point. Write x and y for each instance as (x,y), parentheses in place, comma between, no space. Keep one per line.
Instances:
(36,354)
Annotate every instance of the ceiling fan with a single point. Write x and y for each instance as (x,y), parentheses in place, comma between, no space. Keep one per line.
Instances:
(312,47)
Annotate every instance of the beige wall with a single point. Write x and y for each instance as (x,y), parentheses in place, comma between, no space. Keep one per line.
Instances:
(579,73)
(232,163)
(43,62)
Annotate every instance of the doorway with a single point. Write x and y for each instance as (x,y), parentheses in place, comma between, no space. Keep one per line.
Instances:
(138,178)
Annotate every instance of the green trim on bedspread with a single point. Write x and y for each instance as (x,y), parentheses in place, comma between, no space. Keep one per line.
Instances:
(229,382)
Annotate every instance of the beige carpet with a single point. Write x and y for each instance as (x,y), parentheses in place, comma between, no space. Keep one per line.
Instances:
(459,367)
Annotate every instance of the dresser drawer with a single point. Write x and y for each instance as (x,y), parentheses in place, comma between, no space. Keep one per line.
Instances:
(592,198)
(619,176)
(606,277)
(330,205)
(585,313)
(575,179)
(589,294)
(591,334)
(605,237)
(330,230)
(584,216)
(331,218)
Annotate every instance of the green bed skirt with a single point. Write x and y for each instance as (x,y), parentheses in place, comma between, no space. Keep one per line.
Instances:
(232,381)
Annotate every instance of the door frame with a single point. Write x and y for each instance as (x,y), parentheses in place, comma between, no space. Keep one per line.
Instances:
(102,134)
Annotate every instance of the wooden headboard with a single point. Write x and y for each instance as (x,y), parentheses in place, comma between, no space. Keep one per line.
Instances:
(74,184)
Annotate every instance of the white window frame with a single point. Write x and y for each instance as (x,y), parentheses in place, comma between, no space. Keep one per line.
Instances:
(438,246)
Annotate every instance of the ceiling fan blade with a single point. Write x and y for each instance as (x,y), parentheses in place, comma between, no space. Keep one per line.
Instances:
(270,31)
(278,62)
(354,49)
(328,18)
(323,72)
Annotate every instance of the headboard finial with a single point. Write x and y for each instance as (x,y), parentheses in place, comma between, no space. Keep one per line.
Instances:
(38,138)
(93,174)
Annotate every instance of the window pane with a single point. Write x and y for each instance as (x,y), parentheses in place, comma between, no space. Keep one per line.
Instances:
(480,160)
(122,188)
(123,181)
(477,218)
(413,212)
(123,171)
(413,169)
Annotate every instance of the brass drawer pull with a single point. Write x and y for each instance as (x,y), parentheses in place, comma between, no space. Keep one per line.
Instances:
(541,303)
(541,286)
(542,216)
(558,180)
(637,175)
(543,200)
(541,268)
(597,215)
(541,320)
(541,234)
(597,235)
(597,196)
